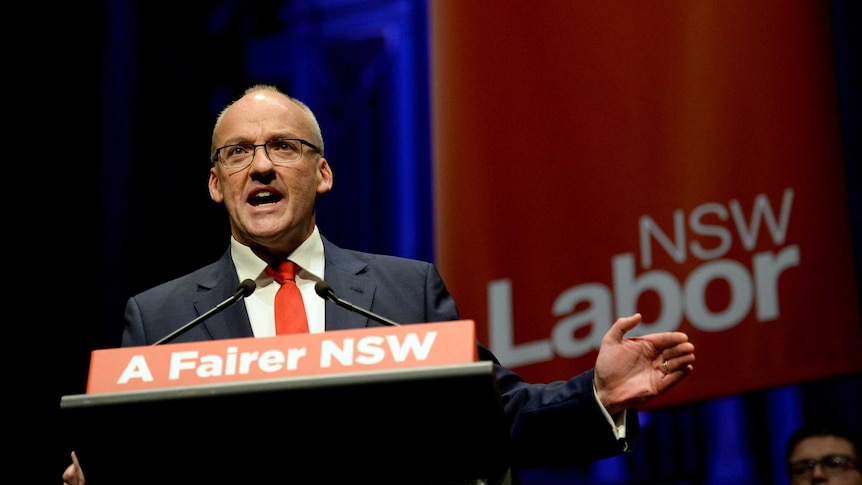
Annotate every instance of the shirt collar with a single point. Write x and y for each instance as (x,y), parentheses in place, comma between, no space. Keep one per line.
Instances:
(309,257)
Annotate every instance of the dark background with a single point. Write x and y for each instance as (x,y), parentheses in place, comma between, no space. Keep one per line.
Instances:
(113,106)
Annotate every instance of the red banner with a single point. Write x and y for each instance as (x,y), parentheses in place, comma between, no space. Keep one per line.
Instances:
(678,159)
(286,356)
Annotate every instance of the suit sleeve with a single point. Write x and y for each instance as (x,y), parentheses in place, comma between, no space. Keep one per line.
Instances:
(560,423)
(133,334)
(554,424)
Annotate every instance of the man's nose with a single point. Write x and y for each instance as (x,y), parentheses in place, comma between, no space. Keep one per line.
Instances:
(817,471)
(265,158)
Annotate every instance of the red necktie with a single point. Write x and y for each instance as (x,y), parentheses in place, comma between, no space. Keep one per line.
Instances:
(289,310)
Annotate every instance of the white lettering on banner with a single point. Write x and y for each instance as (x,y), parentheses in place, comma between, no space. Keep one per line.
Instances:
(747,234)
(233,362)
(756,287)
(371,349)
(137,369)
(411,345)
(500,327)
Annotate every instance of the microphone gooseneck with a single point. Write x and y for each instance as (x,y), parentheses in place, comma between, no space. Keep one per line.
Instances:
(244,289)
(326,292)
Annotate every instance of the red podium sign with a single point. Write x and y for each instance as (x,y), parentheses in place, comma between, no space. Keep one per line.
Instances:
(247,359)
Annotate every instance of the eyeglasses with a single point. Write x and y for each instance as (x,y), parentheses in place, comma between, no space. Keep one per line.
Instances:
(280,150)
(831,465)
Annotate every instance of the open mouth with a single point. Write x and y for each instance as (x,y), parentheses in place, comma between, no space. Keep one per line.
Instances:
(264,198)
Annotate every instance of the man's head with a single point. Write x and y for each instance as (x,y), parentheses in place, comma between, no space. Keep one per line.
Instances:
(268,168)
(820,453)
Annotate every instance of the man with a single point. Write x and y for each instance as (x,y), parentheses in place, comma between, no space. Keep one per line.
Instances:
(268,169)
(823,454)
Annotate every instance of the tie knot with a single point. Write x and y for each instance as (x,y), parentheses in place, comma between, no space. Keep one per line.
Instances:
(284,271)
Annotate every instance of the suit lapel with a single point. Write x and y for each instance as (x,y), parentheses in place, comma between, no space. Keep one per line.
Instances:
(215,287)
(345,274)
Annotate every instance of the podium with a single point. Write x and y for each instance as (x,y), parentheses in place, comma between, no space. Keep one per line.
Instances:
(438,424)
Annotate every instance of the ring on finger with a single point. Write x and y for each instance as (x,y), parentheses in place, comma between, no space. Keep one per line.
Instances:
(666,370)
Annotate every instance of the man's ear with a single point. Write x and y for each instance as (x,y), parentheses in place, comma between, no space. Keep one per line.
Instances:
(215,187)
(324,176)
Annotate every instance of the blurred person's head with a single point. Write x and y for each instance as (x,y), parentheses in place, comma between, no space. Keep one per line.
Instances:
(823,453)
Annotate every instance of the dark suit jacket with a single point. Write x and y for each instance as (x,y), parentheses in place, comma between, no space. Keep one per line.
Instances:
(558,423)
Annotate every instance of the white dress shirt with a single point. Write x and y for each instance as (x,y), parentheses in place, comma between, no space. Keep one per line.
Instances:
(309,257)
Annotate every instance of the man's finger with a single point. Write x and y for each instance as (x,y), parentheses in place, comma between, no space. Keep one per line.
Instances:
(623,325)
(666,340)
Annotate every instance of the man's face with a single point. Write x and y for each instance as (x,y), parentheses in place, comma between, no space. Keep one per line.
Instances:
(271,206)
(815,449)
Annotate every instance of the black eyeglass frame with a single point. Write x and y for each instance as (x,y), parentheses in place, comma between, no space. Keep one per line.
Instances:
(830,464)
(217,159)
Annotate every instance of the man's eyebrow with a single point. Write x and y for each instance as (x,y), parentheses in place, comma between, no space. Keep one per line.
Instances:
(232,141)
(237,140)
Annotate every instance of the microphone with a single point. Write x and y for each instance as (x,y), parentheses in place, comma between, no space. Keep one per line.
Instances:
(327,293)
(244,289)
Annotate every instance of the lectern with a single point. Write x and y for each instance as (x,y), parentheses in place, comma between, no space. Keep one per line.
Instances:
(437,424)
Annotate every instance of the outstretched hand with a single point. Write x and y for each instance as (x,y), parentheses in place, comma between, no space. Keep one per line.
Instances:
(631,371)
